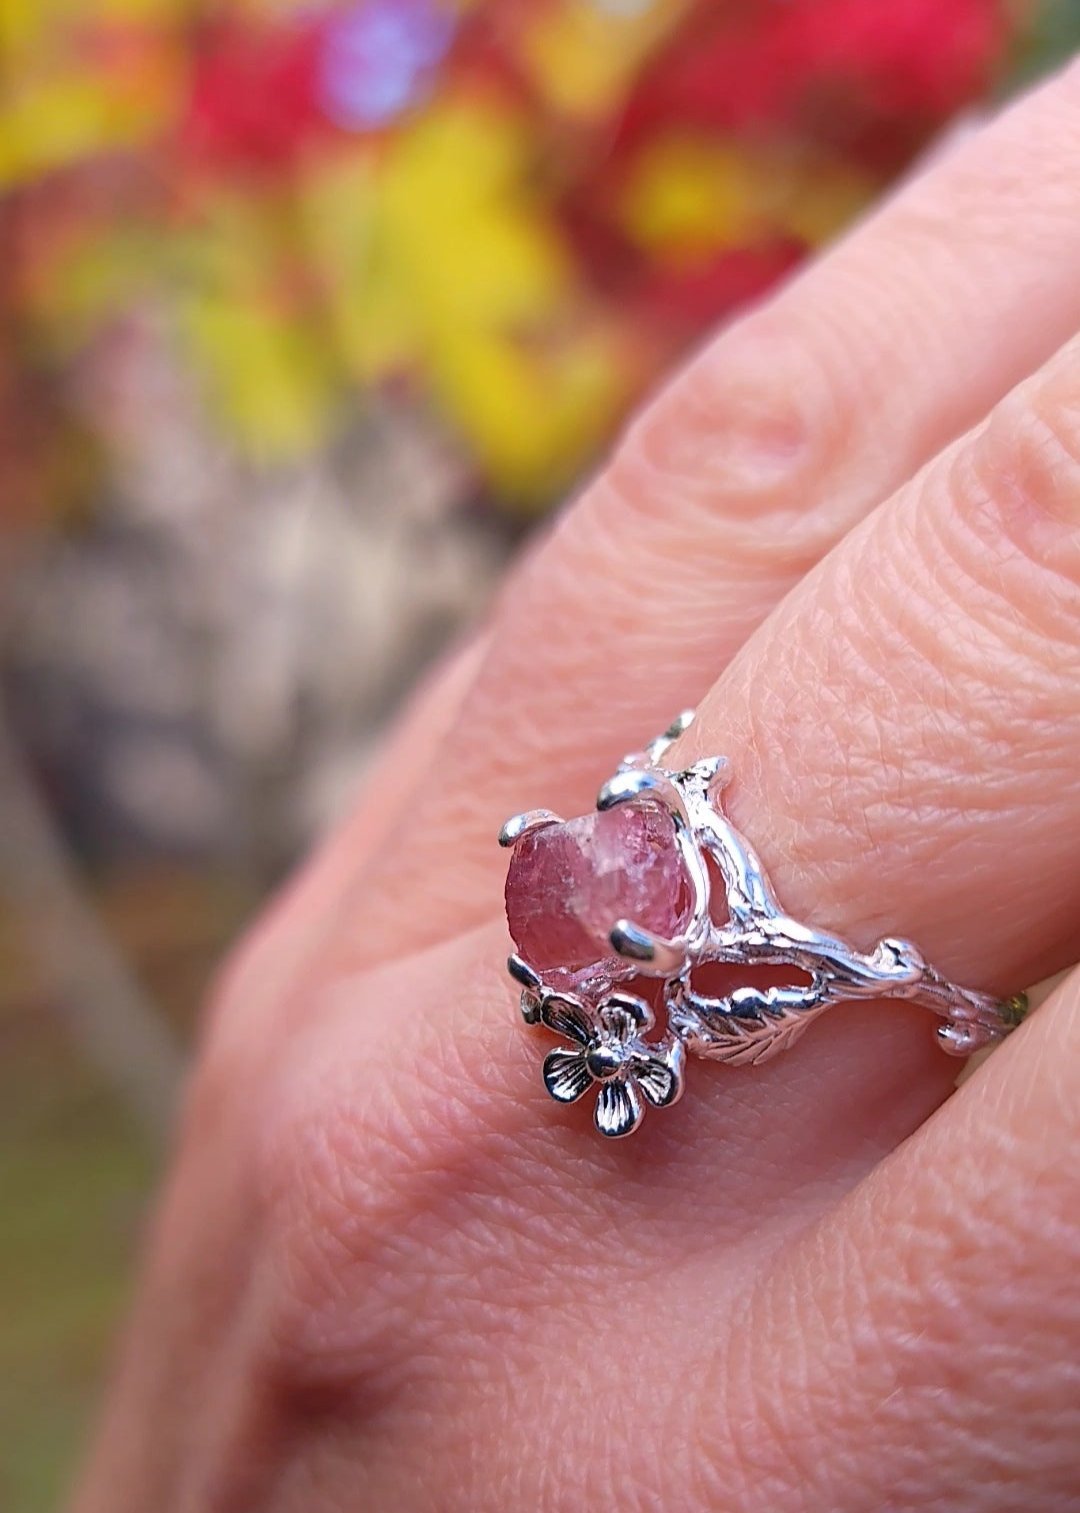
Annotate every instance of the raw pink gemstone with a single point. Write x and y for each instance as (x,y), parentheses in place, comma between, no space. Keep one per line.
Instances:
(569,883)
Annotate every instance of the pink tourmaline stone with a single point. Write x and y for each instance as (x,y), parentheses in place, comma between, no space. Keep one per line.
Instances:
(569,883)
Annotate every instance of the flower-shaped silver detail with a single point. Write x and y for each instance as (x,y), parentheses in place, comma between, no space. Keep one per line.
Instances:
(610,1054)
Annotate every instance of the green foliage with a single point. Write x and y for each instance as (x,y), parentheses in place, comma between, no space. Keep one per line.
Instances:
(73,1181)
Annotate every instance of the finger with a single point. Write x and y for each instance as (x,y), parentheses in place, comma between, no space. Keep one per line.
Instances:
(786,432)
(906,724)
(939,1311)
(258,999)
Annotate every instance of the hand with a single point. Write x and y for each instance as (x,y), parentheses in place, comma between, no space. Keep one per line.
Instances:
(388,1273)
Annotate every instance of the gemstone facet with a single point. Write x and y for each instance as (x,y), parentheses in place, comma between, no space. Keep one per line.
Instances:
(569,883)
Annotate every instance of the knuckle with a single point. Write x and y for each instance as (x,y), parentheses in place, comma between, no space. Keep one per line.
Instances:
(1019,485)
(993,549)
(1034,442)
(754,430)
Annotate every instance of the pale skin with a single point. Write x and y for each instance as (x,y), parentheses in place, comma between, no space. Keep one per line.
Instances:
(387,1273)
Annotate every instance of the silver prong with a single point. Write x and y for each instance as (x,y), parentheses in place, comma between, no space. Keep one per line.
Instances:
(531,987)
(521,972)
(679,726)
(626,786)
(657,957)
(524,824)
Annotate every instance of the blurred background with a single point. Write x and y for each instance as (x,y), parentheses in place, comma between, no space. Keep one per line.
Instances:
(308,311)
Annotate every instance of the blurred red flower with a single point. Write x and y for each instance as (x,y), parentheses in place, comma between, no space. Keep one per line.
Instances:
(252,99)
(877,71)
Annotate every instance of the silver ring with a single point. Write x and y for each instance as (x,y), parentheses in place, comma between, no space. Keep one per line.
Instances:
(661,843)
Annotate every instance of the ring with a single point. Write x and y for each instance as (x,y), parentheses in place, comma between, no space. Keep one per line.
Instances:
(658,885)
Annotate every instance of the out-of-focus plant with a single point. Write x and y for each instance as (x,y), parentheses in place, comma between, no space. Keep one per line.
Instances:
(510,211)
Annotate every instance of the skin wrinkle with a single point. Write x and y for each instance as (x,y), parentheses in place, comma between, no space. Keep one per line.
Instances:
(817,844)
(1004,546)
(908,614)
(547,1401)
(968,540)
(1037,510)
(971,699)
(766,1462)
(754,439)
(959,1229)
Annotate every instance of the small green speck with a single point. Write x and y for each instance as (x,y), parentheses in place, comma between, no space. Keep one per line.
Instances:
(1014,1010)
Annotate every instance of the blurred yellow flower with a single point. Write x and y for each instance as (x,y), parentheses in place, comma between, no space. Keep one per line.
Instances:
(250,321)
(441,260)
(266,370)
(689,196)
(584,55)
(76,87)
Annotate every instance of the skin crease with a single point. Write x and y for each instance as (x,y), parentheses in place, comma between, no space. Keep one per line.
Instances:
(389,1274)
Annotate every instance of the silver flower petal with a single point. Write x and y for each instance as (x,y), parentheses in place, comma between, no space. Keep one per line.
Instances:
(566,1076)
(623,1016)
(660,1077)
(619,1109)
(567,1017)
